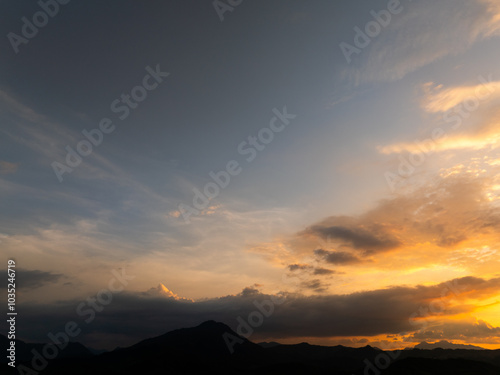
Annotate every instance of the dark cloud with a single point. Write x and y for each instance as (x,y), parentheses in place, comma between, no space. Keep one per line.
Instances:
(315,285)
(30,279)
(308,270)
(296,267)
(324,271)
(338,257)
(250,291)
(316,271)
(131,317)
(357,238)
(447,213)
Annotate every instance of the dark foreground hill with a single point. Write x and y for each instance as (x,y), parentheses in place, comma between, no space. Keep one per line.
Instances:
(24,350)
(204,349)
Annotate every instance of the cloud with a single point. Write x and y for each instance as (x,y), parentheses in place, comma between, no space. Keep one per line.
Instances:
(338,257)
(430,232)
(250,291)
(452,107)
(309,269)
(295,267)
(429,214)
(476,142)
(31,279)
(131,317)
(439,98)
(471,330)
(418,36)
(315,284)
(358,238)
(324,271)
(13,105)
(162,291)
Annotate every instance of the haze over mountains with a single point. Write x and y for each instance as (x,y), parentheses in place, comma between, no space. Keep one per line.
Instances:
(443,344)
(214,347)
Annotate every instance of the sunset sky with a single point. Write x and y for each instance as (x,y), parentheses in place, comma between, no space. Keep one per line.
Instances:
(361,173)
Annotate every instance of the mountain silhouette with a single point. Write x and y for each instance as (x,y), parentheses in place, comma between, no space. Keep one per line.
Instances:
(24,350)
(443,344)
(74,351)
(182,351)
(213,347)
(206,341)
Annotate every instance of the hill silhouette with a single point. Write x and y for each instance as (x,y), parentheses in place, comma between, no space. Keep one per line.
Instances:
(214,347)
(443,344)
(24,350)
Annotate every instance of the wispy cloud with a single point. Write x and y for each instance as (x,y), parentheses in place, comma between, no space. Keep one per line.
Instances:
(466,117)
(438,98)
(31,279)
(418,37)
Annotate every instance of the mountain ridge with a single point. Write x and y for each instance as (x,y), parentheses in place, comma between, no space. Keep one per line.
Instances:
(203,348)
(443,344)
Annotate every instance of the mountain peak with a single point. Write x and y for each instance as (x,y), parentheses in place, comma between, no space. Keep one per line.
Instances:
(207,339)
(212,323)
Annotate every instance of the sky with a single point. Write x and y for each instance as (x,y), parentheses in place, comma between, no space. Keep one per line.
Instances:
(330,167)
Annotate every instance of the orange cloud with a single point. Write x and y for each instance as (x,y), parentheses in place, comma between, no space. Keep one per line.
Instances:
(440,99)
(455,106)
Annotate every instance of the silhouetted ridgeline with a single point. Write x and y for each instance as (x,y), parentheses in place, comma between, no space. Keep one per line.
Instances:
(203,349)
